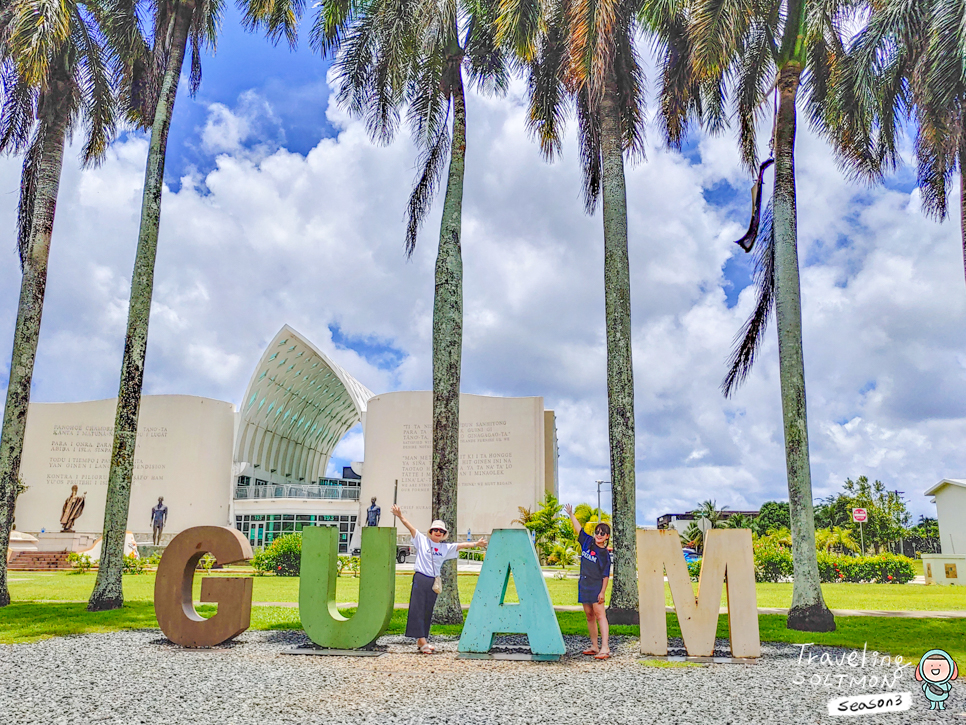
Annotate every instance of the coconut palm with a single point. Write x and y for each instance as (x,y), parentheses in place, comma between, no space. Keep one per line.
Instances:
(56,77)
(737,521)
(693,537)
(725,53)
(580,55)
(152,88)
(908,62)
(709,511)
(393,55)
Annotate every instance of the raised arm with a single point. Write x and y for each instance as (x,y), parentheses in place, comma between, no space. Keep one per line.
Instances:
(573,519)
(405,522)
(481,544)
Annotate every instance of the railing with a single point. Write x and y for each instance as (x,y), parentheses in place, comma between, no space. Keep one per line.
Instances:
(312,491)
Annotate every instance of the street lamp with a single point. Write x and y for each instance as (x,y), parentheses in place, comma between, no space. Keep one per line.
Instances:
(599,513)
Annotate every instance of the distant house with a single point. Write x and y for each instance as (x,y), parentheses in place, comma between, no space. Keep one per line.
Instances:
(680,522)
(950,500)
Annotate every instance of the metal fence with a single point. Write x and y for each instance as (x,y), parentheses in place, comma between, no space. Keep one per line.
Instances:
(312,491)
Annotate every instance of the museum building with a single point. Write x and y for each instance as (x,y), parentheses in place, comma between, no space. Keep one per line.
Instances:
(263,467)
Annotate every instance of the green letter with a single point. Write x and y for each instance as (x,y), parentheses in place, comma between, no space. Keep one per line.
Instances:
(511,550)
(377,587)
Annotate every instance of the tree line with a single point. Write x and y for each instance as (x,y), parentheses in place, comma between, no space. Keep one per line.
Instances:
(98,66)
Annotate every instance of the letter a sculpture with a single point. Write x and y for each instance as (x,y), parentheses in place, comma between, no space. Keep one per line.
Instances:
(377,588)
(511,550)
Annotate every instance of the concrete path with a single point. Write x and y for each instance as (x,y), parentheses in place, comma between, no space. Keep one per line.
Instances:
(724,610)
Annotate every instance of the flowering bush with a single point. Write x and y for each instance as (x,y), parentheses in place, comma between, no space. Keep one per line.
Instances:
(773,562)
(881,568)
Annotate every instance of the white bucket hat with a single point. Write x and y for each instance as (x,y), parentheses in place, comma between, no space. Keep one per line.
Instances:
(437,524)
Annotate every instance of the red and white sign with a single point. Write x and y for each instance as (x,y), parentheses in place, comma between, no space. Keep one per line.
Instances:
(859,515)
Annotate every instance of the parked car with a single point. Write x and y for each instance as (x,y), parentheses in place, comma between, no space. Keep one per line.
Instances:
(402,552)
(690,555)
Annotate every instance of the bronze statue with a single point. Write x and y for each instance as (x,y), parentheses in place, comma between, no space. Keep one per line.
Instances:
(73,508)
(159,517)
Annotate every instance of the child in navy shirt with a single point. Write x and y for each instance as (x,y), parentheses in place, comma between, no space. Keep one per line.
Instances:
(594,577)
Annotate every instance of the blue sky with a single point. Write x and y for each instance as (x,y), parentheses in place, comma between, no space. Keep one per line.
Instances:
(281,211)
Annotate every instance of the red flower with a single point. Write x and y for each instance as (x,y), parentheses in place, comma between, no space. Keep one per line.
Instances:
(890,576)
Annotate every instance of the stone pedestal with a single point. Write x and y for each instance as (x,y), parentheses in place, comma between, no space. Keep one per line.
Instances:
(944,568)
(50,541)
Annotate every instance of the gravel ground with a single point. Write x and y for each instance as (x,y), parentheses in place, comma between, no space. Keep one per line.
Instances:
(140,677)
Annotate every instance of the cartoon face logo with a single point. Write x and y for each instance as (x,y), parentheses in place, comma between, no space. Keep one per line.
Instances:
(936,671)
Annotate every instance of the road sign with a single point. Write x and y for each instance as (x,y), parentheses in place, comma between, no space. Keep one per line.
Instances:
(859,515)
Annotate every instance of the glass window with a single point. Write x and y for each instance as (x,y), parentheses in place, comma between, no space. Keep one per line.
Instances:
(244,480)
(260,482)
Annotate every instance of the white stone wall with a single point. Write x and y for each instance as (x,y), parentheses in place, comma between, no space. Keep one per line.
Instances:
(184,453)
(951,511)
(502,458)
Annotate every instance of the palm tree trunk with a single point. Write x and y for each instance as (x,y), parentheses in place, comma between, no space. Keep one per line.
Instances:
(107,592)
(620,368)
(27,332)
(808,611)
(447,354)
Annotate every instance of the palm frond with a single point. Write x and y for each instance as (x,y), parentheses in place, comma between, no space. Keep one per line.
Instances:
(589,140)
(747,242)
(421,199)
(748,342)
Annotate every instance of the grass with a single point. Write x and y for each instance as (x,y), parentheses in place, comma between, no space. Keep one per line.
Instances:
(30,622)
(65,586)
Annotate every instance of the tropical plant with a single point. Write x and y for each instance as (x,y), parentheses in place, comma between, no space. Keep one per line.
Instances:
(709,511)
(526,515)
(55,73)
(737,521)
(581,54)
(727,52)
(151,90)
(79,563)
(561,555)
(547,525)
(906,63)
(390,56)
(837,539)
(693,537)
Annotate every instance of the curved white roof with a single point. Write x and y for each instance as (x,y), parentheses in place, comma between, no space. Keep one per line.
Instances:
(297,407)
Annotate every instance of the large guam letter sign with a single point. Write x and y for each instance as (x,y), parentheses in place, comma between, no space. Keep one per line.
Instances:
(172,588)
(377,587)
(511,550)
(725,551)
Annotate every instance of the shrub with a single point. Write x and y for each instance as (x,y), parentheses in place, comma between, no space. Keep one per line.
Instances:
(286,553)
(881,569)
(472,555)
(694,570)
(133,565)
(773,563)
(349,564)
(80,563)
(262,562)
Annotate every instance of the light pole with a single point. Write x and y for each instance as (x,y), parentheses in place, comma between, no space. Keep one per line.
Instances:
(599,513)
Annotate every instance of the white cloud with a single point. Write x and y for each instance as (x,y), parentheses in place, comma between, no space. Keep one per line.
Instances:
(270,237)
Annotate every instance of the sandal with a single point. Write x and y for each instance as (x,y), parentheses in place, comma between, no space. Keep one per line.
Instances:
(427,649)
(602,656)
(590,652)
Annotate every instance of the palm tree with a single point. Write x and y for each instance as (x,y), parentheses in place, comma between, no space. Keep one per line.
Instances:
(152,88)
(709,511)
(395,54)
(56,76)
(581,54)
(693,537)
(907,62)
(721,49)
(737,521)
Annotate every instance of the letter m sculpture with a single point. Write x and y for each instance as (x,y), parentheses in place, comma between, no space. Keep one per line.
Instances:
(727,553)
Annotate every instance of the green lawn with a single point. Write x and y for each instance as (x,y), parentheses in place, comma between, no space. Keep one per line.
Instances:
(64,586)
(30,622)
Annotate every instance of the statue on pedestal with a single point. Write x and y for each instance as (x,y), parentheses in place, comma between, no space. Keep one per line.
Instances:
(373,513)
(159,517)
(73,508)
